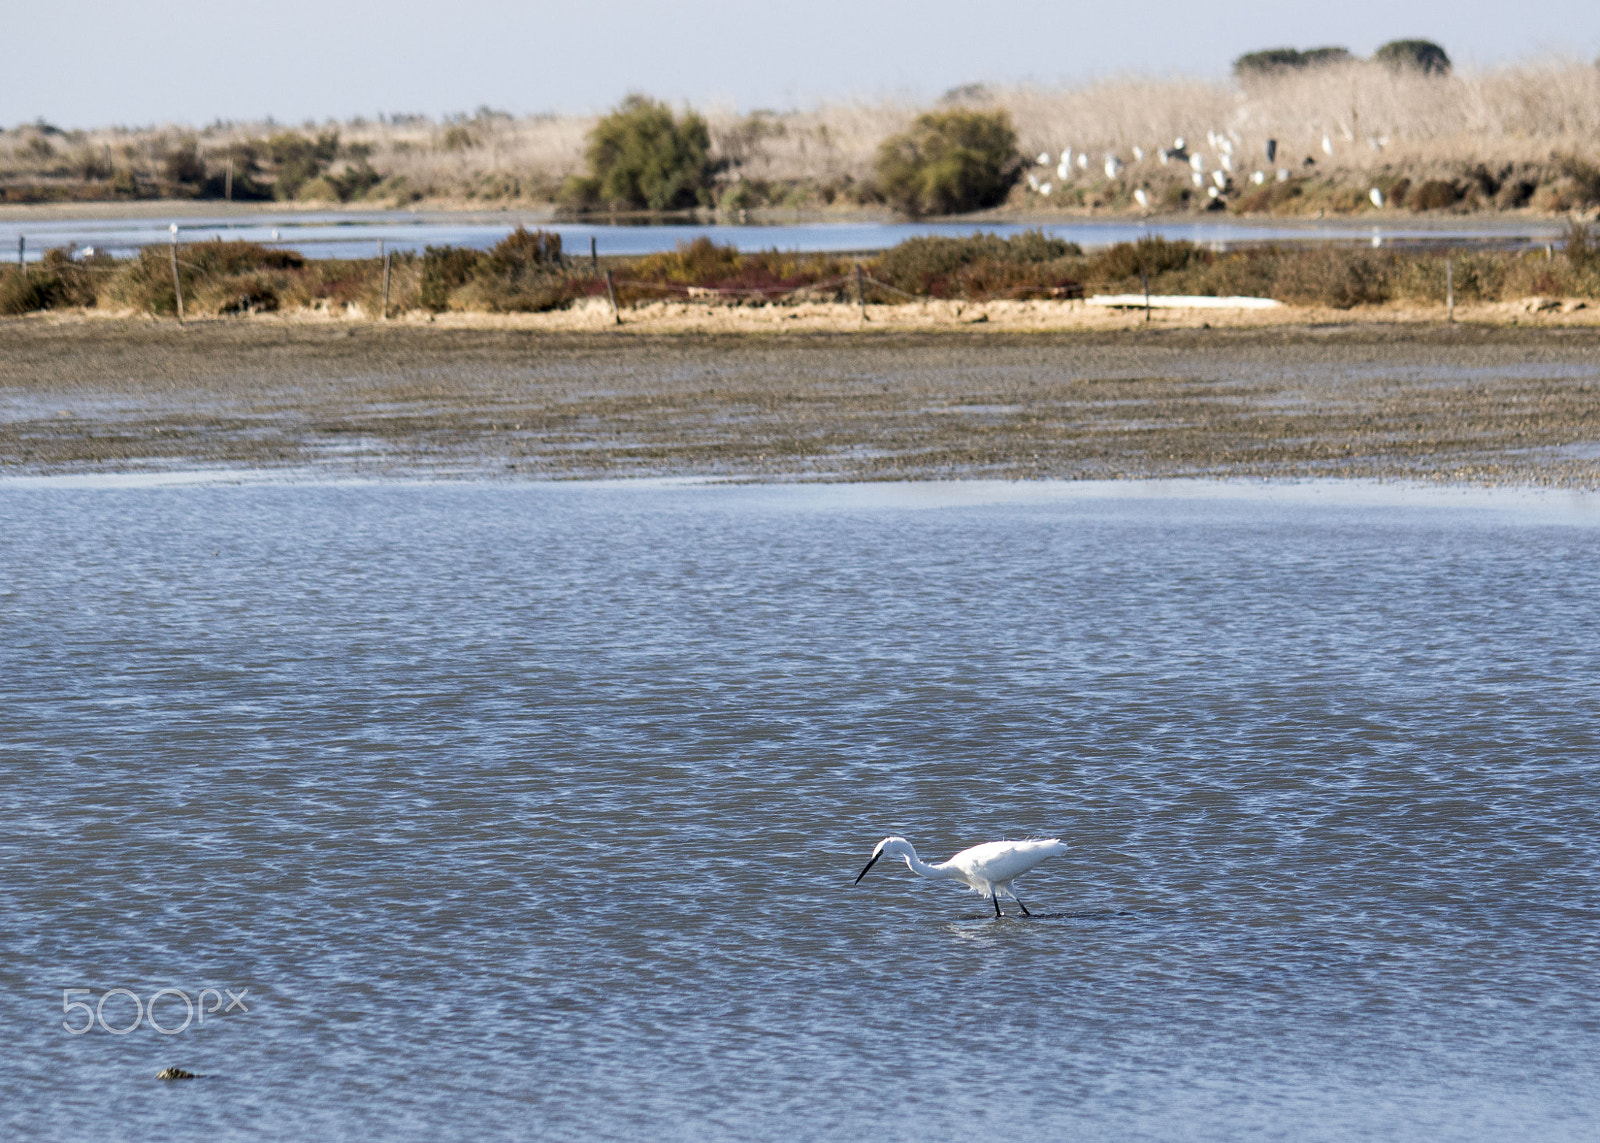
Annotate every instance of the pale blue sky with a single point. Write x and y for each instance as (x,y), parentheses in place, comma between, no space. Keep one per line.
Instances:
(83,63)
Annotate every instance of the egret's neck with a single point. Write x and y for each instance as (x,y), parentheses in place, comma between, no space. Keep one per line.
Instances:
(922,869)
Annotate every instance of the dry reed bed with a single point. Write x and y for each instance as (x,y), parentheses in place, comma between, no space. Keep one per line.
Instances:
(1377,122)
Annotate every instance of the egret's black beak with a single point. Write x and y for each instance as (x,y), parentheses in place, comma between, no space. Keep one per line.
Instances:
(869,865)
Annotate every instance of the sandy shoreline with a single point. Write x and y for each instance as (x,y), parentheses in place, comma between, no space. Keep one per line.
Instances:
(754,393)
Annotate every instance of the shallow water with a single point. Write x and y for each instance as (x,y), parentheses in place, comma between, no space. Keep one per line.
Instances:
(531,812)
(357,235)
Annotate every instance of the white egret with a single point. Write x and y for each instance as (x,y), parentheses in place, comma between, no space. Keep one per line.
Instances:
(1376,196)
(988,869)
(1142,197)
(1044,158)
(1046,188)
(1138,154)
(1113,166)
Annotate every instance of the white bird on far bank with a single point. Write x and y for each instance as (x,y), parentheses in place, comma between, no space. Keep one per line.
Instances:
(988,869)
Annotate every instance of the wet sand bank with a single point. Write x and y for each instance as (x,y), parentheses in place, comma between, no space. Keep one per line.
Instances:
(1389,399)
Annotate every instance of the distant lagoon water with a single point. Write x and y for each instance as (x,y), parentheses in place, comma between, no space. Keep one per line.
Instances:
(330,234)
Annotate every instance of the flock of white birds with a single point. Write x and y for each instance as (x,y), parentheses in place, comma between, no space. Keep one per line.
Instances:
(1217,181)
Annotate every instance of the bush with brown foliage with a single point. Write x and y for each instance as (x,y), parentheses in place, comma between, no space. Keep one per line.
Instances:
(523,273)
(980,265)
(1435,194)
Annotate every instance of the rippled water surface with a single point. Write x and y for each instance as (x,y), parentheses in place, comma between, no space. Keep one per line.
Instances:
(531,812)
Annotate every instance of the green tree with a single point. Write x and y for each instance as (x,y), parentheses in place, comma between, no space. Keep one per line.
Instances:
(950,161)
(1275,60)
(1416,55)
(643,157)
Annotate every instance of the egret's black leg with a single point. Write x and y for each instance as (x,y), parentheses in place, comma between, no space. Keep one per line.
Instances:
(1021,906)
(996,899)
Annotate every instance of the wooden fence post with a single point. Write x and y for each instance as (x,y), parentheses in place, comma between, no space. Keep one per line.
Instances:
(611,292)
(861,296)
(177,283)
(1144,277)
(1449,290)
(385,280)
(227,188)
(22,254)
(594,256)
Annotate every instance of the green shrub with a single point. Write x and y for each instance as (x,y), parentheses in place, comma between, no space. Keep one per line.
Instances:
(642,157)
(950,161)
(1413,55)
(298,159)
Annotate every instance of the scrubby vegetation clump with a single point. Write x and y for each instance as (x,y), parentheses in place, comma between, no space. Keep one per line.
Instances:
(527,271)
(950,162)
(524,272)
(983,265)
(643,157)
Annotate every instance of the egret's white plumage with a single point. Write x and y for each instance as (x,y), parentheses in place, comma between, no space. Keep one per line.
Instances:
(989,868)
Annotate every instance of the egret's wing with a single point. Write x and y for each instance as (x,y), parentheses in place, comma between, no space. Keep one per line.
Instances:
(1000,861)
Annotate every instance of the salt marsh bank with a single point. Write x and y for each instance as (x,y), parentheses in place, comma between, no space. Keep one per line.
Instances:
(1462,404)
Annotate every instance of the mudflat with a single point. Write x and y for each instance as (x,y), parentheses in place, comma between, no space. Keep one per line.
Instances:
(1426,401)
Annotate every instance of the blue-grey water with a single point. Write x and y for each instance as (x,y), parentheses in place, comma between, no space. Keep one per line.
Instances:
(359,235)
(530,812)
